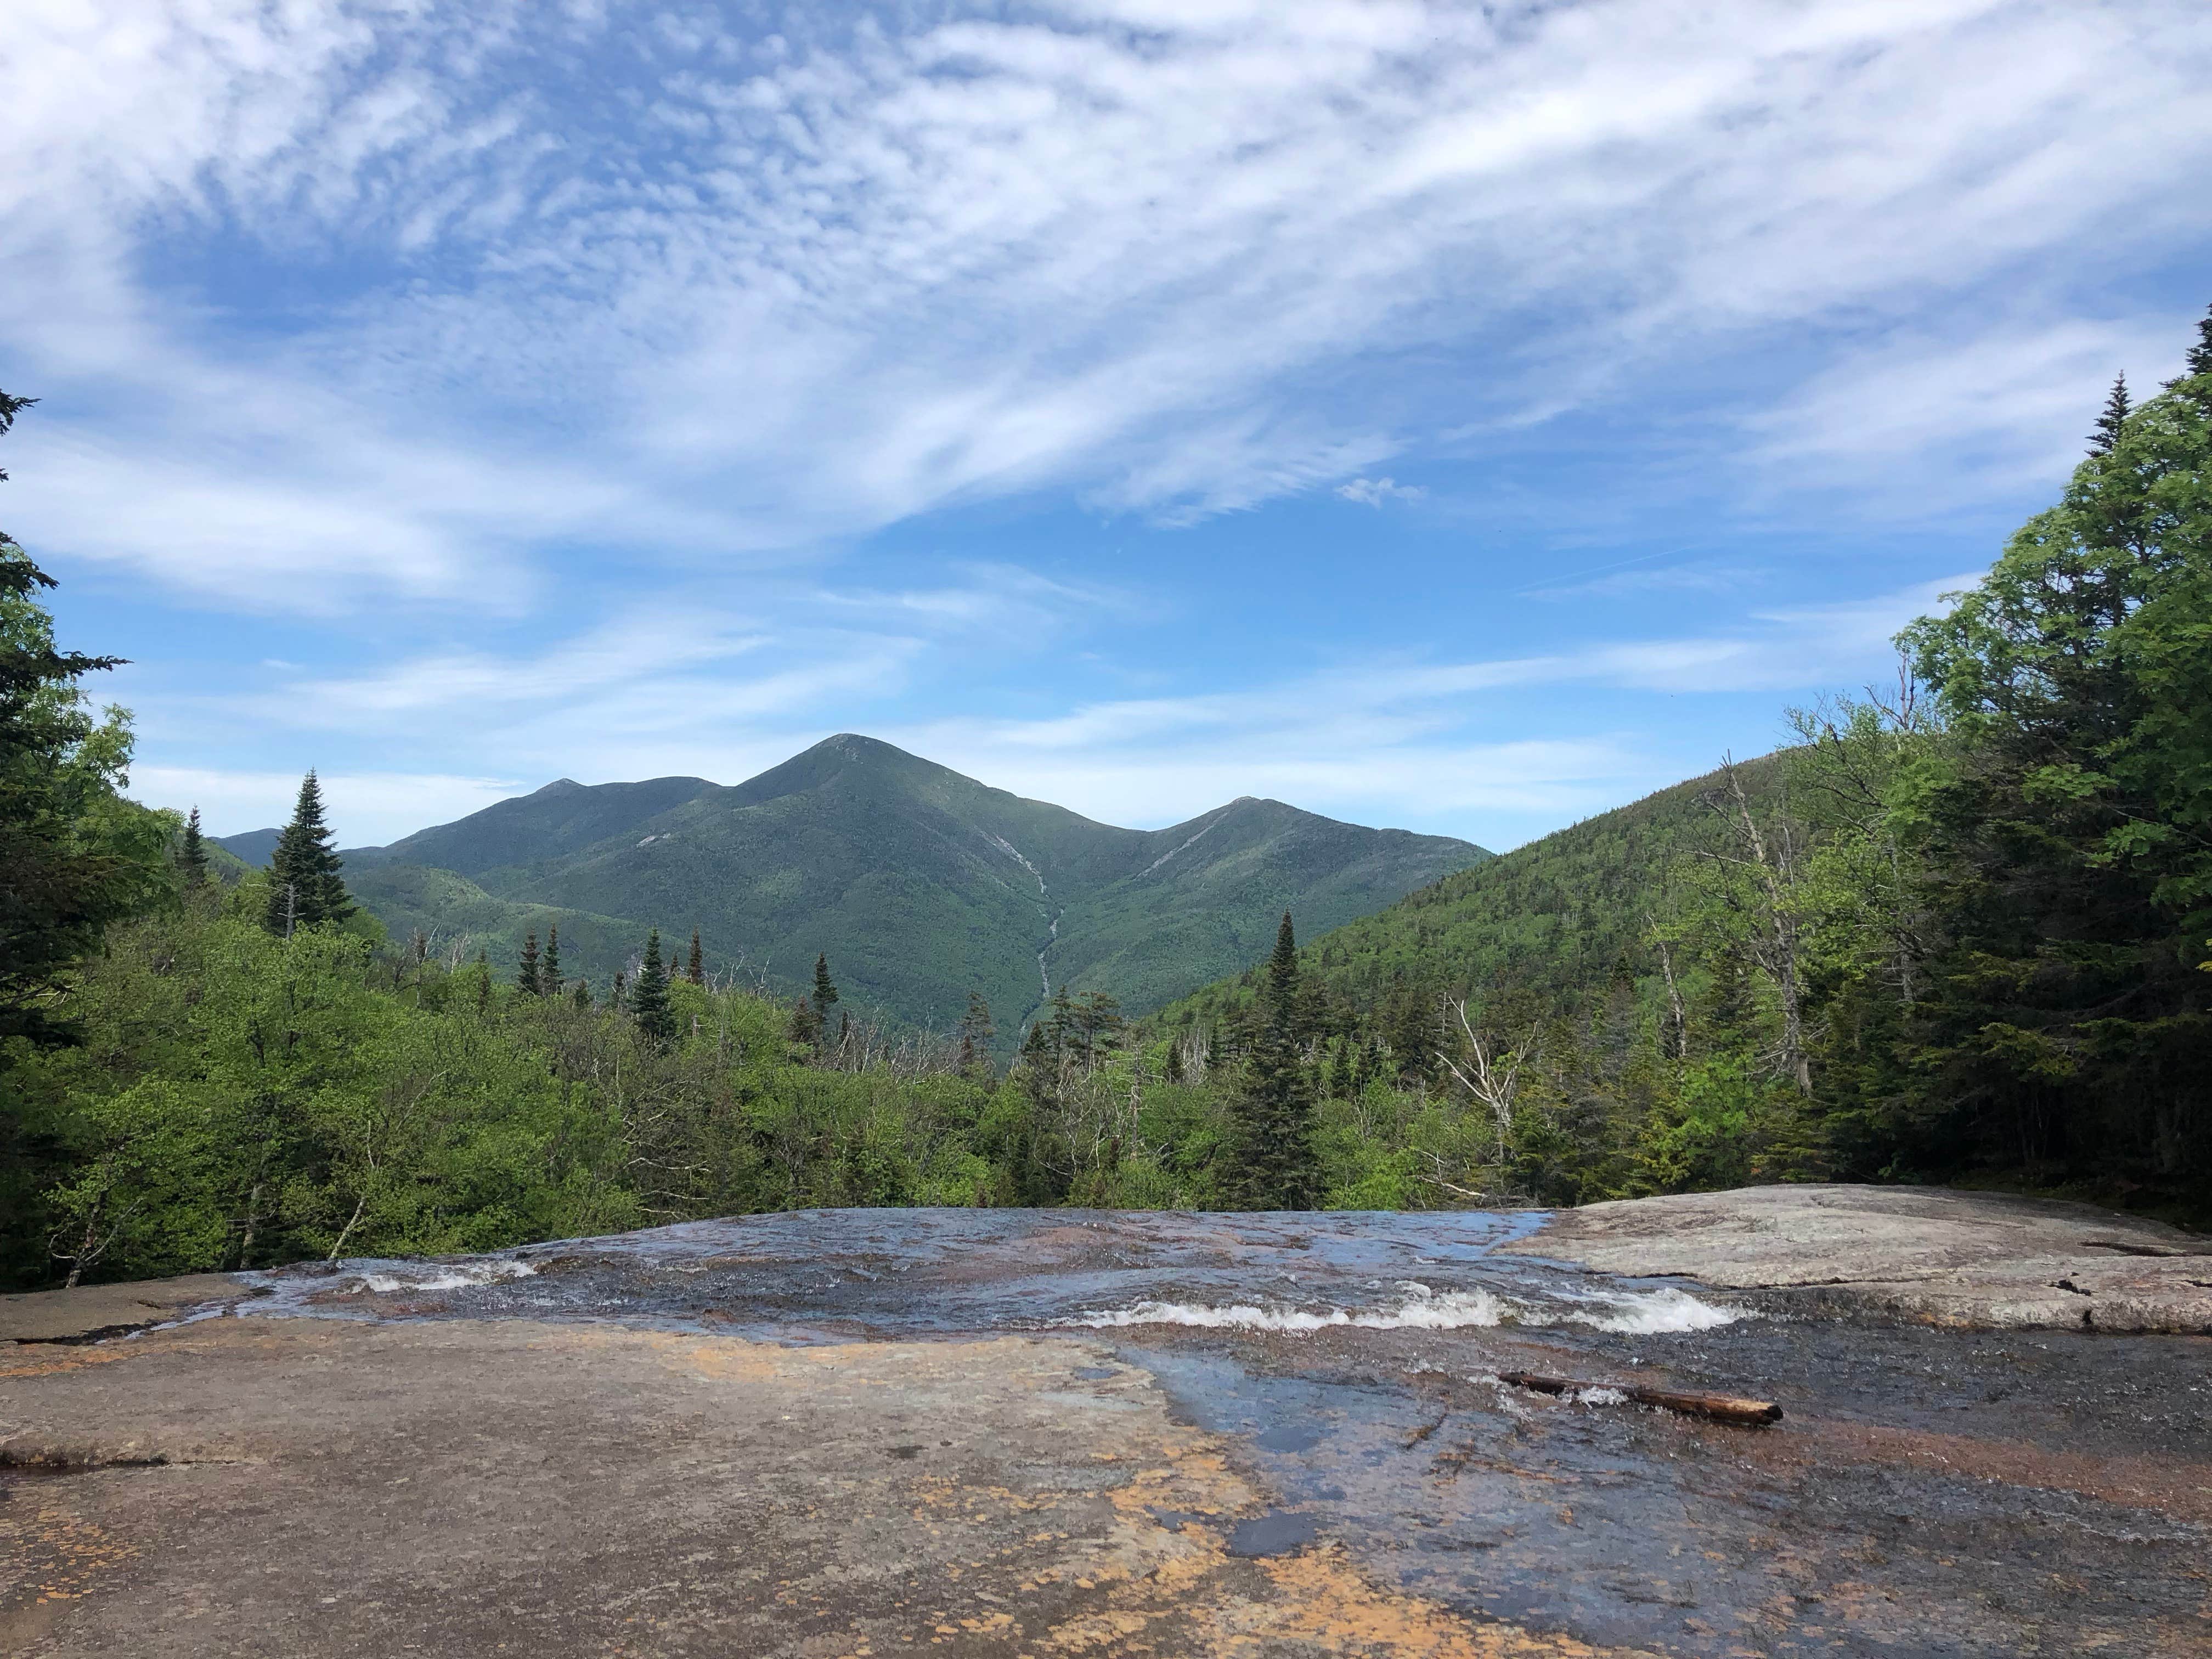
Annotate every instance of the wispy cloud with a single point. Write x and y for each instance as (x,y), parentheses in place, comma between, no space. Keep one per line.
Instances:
(1373,492)
(747,289)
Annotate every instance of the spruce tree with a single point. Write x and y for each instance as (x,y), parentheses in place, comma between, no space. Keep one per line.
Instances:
(2199,360)
(73,858)
(583,994)
(976,1034)
(825,991)
(304,888)
(1278,1168)
(2112,425)
(549,970)
(1339,1077)
(191,855)
(695,969)
(526,979)
(1040,1071)
(484,983)
(648,997)
(1173,1070)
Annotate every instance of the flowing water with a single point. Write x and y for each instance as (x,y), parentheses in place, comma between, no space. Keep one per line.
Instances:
(1926,1491)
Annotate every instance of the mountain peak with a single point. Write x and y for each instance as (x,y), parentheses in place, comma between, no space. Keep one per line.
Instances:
(856,746)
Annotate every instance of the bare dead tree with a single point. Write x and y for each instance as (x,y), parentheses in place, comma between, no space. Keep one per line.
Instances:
(1490,1074)
(1676,1011)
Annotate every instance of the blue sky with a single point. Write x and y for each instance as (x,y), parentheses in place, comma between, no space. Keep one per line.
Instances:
(1462,419)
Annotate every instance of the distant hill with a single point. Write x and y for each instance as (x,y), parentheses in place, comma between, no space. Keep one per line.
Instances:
(251,848)
(921,884)
(1558,920)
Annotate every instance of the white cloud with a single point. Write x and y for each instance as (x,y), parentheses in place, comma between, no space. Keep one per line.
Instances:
(1373,492)
(568,278)
(1994,404)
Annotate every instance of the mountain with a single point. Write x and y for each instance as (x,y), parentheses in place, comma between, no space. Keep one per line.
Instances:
(251,848)
(1560,920)
(919,883)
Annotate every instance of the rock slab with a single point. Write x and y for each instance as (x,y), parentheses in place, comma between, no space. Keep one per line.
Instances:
(1980,1260)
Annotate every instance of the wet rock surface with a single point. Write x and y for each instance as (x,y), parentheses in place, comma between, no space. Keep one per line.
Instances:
(1987,1260)
(1004,1433)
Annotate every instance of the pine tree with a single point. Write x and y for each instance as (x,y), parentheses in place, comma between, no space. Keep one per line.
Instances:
(304,888)
(69,866)
(1273,1113)
(549,971)
(526,979)
(1339,1077)
(976,1034)
(484,983)
(1039,1068)
(648,997)
(191,855)
(825,991)
(583,994)
(806,1028)
(1173,1070)
(695,969)
(2112,423)
(2200,354)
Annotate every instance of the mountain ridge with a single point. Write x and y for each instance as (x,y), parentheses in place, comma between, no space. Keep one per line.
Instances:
(920,883)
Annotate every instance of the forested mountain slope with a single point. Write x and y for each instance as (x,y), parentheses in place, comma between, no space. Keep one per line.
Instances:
(920,885)
(1554,925)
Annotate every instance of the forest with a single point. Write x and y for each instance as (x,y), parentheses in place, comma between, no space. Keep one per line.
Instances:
(1958,931)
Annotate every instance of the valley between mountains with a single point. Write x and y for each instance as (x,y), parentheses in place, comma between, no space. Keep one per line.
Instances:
(920,885)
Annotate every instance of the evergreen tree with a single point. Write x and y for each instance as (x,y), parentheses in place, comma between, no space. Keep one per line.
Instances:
(1172,1071)
(2113,421)
(583,994)
(695,969)
(484,983)
(2199,360)
(1339,1080)
(304,888)
(527,978)
(805,1027)
(2063,824)
(1039,1069)
(74,856)
(825,992)
(648,997)
(1278,1165)
(976,1034)
(191,853)
(549,971)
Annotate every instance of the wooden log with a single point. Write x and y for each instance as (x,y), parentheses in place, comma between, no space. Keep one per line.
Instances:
(1720,1407)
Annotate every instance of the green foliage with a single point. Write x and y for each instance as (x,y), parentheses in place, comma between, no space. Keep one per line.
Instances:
(193,869)
(1956,933)
(925,885)
(77,855)
(648,997)
(1276,1164)
(2065,829)
(305,888)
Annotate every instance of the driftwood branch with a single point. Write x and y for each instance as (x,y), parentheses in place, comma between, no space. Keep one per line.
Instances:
(1720,1407)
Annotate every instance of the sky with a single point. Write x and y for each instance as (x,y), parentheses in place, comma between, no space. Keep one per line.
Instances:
(1464,418)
